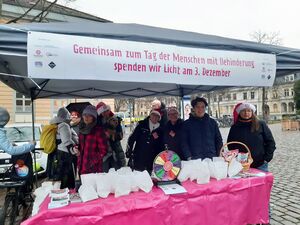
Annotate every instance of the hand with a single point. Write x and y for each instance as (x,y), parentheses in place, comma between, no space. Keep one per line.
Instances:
(76,150)
(33,142)
(155,135)
(172,133)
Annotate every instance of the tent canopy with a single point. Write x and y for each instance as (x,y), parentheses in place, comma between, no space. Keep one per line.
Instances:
(13,59)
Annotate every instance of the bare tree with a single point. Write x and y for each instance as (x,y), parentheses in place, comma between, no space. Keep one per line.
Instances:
(272,38)
(121,103)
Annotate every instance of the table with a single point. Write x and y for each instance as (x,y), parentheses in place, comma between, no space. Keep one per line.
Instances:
(226,202)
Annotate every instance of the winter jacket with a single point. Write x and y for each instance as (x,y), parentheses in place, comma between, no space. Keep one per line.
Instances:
(261,143)
(66,136)
(7,147)
(93,147)
(172,135)
(200,137)
(146,146)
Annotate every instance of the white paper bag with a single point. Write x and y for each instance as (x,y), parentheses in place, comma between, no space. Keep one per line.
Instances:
(87,193)
(89,180)
(103,186)
(204,174)
(123,185)
(234,167)
(143,181)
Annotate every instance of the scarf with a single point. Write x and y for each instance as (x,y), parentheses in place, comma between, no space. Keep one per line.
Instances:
(86,128)
(244,120)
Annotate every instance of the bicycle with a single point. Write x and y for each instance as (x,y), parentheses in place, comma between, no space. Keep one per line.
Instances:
(14,201)
(18,194)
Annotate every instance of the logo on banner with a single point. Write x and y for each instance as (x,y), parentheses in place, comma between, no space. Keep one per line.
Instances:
(49,54)
(38,53)
(38,64)
(52,65)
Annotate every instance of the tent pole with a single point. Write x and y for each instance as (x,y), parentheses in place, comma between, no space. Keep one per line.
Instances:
(33,135)
(182,103)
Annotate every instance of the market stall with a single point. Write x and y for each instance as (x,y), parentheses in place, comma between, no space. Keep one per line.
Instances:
(95,60)
(228,201)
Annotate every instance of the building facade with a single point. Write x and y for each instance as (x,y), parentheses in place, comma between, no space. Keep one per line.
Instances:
(279,100)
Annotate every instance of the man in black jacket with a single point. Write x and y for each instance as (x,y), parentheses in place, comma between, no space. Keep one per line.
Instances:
(201,137)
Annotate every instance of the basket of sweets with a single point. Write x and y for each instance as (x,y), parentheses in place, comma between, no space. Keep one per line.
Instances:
(244,158)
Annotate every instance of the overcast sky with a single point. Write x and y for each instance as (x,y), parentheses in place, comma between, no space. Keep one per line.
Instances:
(228,18)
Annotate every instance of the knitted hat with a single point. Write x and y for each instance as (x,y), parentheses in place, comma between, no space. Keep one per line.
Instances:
(235,113)
(155,112)
(245,105)
(4,117)
(102,107)
(90,110)
(172,110)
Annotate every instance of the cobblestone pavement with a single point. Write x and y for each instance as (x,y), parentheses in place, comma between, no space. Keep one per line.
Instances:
(285,197)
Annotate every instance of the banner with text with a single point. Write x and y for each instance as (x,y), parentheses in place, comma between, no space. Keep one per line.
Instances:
(57,56)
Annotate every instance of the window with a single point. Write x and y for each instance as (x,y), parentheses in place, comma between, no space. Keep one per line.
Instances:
(290,77)
(23,104)
(220,98)
(275,94)
(286,92)
(234,96)
(266,95)
(275,108)
(215,98)
(292,92)
(245,95)
(229,97)
(252,95)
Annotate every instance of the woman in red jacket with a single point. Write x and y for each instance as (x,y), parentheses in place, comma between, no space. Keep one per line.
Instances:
(92,143)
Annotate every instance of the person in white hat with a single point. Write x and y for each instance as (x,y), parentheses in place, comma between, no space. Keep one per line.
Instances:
(172,131)
(145,143)
(255,134)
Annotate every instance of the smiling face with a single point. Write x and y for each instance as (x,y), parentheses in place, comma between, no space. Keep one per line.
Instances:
(199,109)
(88,119)
(246,114)
(173,116)
(154,118)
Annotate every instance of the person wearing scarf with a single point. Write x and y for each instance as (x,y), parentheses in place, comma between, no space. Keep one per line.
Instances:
(255,134)
(92,143)
(145,143)
(172,131)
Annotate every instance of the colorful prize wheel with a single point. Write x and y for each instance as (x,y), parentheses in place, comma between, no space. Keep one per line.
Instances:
(167,165)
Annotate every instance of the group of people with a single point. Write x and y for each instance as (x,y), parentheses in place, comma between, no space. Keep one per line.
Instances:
(86,143)
(199,136)
(90,142)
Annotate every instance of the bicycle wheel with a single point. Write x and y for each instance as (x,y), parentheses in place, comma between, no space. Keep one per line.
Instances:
(9,211)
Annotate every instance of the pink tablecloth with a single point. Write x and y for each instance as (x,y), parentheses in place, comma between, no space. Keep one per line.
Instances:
(229,201)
